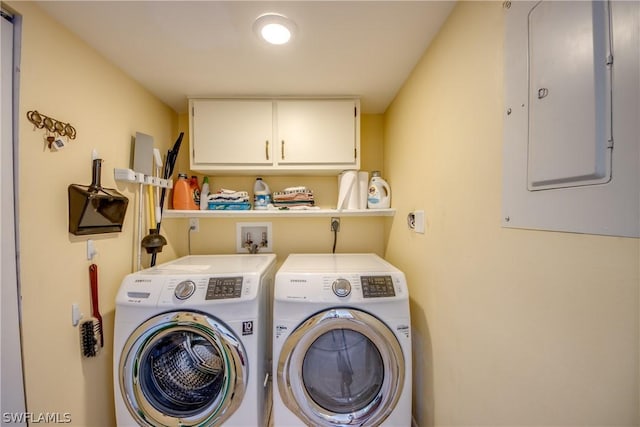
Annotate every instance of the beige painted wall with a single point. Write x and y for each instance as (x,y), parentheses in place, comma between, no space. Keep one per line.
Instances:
(65,79)
(511,327)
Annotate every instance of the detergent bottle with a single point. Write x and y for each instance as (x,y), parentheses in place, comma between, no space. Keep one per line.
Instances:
(379,192)
(183,197)
(261,194)
(195,191)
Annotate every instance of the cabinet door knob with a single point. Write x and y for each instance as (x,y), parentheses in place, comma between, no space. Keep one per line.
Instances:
(266,149)
(282,150)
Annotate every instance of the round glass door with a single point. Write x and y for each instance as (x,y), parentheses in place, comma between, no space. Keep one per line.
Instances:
(182,369)
(341,366)
(342,371)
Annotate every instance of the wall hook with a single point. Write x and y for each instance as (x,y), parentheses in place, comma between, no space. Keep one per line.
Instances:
(54,127)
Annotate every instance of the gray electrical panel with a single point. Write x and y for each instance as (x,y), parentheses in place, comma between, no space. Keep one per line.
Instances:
(570,64)
(572,117)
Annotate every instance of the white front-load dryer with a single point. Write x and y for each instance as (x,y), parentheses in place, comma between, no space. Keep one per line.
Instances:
(191,342)
(341,342)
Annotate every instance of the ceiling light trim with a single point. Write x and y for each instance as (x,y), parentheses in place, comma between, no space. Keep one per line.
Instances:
(274,28)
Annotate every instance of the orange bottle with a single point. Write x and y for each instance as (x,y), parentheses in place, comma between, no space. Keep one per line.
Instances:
(195,190)
(183,194)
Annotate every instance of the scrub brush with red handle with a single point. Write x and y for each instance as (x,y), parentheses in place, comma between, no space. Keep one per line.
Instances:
(93,275)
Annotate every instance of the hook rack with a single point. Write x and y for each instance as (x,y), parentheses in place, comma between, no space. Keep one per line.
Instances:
(52,125)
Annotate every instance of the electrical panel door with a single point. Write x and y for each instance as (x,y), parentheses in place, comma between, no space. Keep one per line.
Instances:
(569,95)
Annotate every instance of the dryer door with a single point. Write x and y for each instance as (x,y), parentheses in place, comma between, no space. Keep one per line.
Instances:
(182,369)
(341,367)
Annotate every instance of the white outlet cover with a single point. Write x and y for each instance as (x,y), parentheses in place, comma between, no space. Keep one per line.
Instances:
(419,222)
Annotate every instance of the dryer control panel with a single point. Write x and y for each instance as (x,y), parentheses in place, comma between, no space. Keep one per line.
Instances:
(343,288)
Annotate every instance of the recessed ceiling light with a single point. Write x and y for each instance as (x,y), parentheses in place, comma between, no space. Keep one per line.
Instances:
(274,28)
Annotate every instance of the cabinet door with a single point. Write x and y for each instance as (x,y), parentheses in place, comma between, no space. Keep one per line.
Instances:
(231,132)
(317,132)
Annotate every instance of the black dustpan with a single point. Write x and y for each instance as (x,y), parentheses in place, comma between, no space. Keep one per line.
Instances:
(93,209)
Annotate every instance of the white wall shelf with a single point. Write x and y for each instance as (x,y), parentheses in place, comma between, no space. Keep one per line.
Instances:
(271,213)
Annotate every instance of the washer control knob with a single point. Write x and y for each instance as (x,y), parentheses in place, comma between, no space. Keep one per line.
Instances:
(341,287)
(185,289)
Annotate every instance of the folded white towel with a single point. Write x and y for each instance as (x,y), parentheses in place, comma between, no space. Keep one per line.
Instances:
(224,195)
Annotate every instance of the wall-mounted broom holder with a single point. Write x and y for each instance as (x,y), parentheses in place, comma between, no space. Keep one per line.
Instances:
(131,176)
(153,242)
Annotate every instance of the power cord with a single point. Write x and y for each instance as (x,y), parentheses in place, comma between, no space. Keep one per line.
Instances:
(335,227)
(191,228)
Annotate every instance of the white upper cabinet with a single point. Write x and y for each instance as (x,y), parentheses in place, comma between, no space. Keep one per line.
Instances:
(237,132)
(317,132)
(274,136)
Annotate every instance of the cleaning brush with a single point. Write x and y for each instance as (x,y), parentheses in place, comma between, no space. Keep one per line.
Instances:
(90,337)
(91,333)
(95,310)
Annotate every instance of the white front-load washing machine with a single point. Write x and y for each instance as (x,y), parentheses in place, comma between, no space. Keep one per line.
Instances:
(341,342)
(191,342)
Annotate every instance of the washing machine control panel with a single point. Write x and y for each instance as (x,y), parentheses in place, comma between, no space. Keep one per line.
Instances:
(341,287)
(377,286)
(224,288)
(184,289)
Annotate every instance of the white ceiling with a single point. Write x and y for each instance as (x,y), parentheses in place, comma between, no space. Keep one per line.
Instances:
(178,49)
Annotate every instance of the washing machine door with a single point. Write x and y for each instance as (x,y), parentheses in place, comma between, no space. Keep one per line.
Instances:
(182,368)
(341,367)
